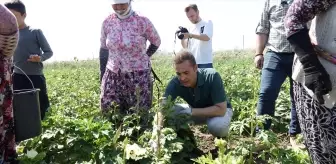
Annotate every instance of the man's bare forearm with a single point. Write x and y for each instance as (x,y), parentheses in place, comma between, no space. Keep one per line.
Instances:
(212,111)
(201,37)
(261,42)
(184,43)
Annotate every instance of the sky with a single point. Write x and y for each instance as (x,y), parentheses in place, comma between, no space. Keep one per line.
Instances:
(72,27)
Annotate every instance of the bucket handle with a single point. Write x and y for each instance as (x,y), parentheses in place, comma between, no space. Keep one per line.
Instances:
(26,76)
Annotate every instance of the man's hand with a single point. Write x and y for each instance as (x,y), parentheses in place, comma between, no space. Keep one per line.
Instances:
(259,61)
(182,109)
(186,35)
(34,58)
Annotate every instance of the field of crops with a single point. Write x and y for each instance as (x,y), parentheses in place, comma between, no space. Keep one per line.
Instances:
(76,132)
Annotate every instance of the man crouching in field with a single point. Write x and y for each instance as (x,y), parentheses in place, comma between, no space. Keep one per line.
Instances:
(204,92)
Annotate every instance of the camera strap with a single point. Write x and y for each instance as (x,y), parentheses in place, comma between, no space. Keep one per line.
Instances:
(175,44)
(155,76)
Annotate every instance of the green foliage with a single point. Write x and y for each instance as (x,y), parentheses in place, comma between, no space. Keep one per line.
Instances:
(75,130)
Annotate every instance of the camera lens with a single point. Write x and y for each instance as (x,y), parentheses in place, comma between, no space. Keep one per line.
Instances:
(180,36)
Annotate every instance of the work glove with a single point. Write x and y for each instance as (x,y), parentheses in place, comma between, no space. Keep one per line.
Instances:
(316,77)
(182,109)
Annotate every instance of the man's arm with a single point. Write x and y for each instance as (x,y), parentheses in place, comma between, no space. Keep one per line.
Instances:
(47,51)
(261,41)
(218,97)
(205,36)
(184,43)
(202,37)
(171,90)
(262,30)
(218,109)
(8,32)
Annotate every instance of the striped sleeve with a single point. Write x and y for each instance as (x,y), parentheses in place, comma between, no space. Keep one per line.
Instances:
(8,32)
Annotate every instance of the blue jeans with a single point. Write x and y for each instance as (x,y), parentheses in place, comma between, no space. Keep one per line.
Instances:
(277,67)
(208,65)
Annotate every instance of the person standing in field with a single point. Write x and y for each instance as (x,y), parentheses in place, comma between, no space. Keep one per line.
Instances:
(32,50)
(8,41)
(128,70)
(314,77)
(276,64)
(199,38)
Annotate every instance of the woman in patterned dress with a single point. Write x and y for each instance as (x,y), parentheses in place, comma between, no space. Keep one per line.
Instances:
(8,42)
(124,35)
(315,77)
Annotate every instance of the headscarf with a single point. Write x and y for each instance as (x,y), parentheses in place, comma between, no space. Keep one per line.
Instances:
(123,14)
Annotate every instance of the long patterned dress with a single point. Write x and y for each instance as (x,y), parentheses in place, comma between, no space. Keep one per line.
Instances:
(128,66)
(318,122)
(8,42)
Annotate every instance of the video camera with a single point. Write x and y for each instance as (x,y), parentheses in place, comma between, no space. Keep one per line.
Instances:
(180,31)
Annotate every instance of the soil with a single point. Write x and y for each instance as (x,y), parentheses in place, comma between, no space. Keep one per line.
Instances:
(206,142)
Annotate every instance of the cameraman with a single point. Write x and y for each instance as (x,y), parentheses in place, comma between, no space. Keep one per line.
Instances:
(199,38)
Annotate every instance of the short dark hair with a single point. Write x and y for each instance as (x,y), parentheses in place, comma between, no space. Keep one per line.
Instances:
(16,5)
(191,6)
(184,55)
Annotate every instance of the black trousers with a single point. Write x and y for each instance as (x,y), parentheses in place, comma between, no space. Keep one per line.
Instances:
(20,81)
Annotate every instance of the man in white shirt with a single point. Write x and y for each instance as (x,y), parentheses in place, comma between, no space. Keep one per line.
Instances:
(199,38)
